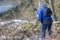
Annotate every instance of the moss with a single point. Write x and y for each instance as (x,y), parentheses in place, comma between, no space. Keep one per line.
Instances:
(27,26)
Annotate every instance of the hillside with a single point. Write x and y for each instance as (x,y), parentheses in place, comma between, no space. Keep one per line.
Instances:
(19,22)
(23,10)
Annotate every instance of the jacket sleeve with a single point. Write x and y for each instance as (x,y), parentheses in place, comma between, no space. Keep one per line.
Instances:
(40,16)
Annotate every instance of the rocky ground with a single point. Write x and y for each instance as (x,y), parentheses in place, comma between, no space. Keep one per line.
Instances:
(25,30)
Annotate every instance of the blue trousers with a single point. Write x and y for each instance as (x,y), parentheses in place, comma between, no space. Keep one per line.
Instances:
(44,27)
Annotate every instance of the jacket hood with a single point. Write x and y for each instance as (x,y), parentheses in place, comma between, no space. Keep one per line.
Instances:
(44,6)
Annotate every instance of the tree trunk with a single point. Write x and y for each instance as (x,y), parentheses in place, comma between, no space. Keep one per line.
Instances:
(52,7)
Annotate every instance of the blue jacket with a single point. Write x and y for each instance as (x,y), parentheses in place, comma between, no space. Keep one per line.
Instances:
(41,12)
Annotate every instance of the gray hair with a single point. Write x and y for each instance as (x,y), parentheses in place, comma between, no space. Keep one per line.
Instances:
(40,5)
